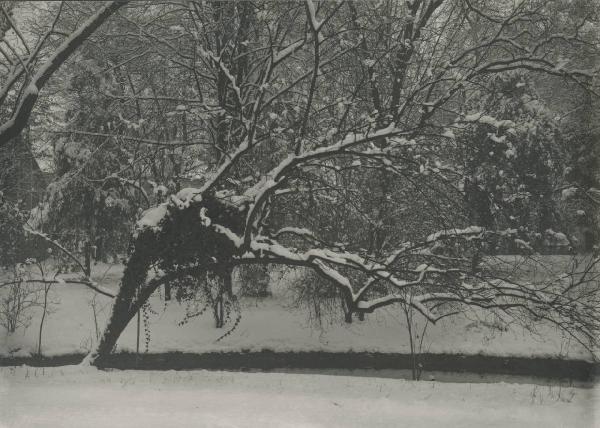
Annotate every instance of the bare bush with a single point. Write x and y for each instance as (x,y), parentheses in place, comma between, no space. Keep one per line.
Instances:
(17,300)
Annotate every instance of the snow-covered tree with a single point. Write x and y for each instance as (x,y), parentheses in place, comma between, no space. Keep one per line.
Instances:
(512,172)
(338,127)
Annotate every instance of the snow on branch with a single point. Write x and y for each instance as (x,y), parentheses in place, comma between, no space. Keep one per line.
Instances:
(451,233)
(89,284)
(152,217)
(487,120)
(277,175)
(226,72)
(18,121)
(312,15)
(288,50)
(56,245)
(323,259)
(232,158)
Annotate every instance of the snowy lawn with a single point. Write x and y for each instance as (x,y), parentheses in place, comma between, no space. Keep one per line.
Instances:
(74,396)
(271,323)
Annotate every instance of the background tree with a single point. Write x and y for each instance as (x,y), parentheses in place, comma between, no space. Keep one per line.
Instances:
(26,69)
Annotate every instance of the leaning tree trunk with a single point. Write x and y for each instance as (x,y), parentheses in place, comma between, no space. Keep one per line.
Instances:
(180,240)
(127,303)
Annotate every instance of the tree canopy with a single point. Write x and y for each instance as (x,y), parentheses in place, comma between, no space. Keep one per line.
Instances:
(395,148)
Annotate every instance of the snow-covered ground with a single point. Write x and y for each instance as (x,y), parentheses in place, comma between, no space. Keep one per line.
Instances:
(270,323)
(83,397)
